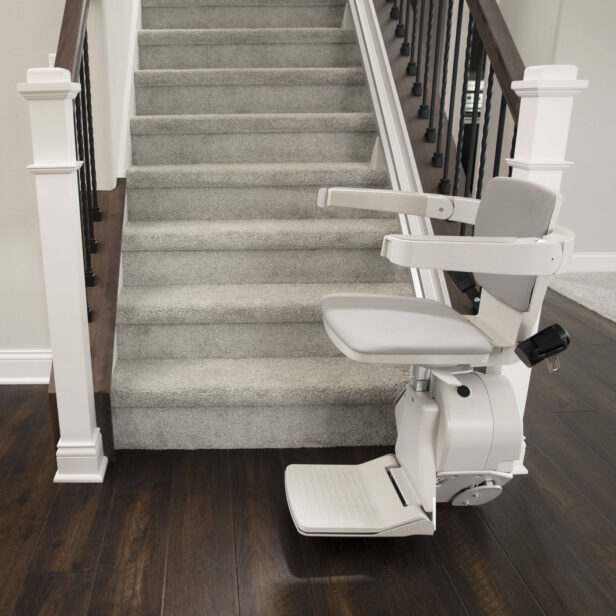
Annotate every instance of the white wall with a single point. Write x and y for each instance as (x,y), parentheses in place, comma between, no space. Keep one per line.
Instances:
(580,33)
(29,31)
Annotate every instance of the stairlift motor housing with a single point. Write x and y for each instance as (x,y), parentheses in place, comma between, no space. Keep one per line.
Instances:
(460,434)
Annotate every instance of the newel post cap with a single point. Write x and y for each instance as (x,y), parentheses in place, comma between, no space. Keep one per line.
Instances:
(550,80)
(48,83)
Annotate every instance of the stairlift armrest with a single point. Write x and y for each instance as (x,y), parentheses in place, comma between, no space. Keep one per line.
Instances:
(414,204)
(485,255)
(464,210)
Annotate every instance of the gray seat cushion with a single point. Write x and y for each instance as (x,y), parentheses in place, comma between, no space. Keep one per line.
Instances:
(390,329)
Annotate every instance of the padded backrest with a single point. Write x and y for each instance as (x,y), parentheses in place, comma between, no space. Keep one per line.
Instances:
(513,208)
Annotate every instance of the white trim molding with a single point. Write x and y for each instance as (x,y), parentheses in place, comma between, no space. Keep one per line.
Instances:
(593,262)
(25,366)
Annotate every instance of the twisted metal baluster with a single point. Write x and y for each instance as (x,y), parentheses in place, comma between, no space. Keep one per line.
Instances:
(98,214)
(400,26)
(85,214)
(472,149)
(484,136)
(417,88)
(430,135)
(499,137)
(467,66)
(405,48)
(444,185)
(437,157)
(395,11)
(424,109)
(92,243)
(411,67)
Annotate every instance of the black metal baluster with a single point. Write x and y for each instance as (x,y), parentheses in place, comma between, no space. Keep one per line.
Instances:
(86,165)
(467,67)
(424,109)
(513,140)
(416,89)
(395,11)
(472,149)
(411,67)
(437,157)
(444,185)
(82,194)
(405,48)
(430,132)
(484,137)
(400,26)
(98,214)
(499,137)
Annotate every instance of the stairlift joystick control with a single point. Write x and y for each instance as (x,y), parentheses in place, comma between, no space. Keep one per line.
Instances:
(544,344)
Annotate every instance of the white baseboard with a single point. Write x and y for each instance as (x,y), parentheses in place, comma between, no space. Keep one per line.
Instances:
(24,366)
(593,262)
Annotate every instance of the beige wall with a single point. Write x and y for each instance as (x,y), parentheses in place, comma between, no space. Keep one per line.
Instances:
(580,33)
(29,31)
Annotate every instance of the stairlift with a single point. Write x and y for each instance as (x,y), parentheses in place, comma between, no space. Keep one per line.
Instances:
(460,436)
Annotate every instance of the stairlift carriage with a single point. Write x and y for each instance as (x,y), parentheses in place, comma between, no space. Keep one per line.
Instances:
(460,436)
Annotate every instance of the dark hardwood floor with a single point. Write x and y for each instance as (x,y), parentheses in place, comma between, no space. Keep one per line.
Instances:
(208,532)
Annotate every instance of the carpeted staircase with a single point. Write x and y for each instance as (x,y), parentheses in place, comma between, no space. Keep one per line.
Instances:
(245,109)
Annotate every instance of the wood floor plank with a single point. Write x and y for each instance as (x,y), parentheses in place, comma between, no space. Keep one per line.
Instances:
(422,590)
(71,538)
(26,494)
(561,547)
(583,467)
(597,430)
(201,576)
(479,567)
(54,593)
(130,574)
(271,577)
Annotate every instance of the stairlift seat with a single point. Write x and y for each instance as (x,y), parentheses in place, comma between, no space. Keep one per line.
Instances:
(389,329)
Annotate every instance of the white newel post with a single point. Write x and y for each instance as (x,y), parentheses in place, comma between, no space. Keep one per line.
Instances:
(50,94)
(546,101)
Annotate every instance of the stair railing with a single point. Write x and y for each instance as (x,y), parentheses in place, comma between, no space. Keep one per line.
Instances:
(64,167)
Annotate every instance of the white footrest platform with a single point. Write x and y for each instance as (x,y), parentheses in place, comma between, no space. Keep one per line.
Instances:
(354,500)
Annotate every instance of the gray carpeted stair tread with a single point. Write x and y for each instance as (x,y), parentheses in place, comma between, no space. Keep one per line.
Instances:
(252,382)
(256,235)
(252,123)
(240,303)
(245,36)
(254,174)
(310,76)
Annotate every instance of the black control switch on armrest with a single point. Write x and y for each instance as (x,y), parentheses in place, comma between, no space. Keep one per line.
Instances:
(546,343)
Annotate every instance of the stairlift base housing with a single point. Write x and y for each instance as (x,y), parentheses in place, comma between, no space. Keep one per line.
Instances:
(458,442)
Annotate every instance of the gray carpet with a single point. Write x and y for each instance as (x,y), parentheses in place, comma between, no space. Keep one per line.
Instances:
(245,109)
(594,290)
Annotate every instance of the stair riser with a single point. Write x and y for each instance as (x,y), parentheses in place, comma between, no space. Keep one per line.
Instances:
(252,147)
(266,98)
(230,340)
(244,203)
(258,266)
(243,17)
(248,56)
(253,427)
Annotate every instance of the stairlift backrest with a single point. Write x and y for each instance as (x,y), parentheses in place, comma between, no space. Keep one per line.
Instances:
(514,208)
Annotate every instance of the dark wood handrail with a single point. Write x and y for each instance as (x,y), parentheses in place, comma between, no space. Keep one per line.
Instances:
(72,33)
(500,48)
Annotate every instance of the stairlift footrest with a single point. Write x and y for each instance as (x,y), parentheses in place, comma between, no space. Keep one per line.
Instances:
(353,500)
